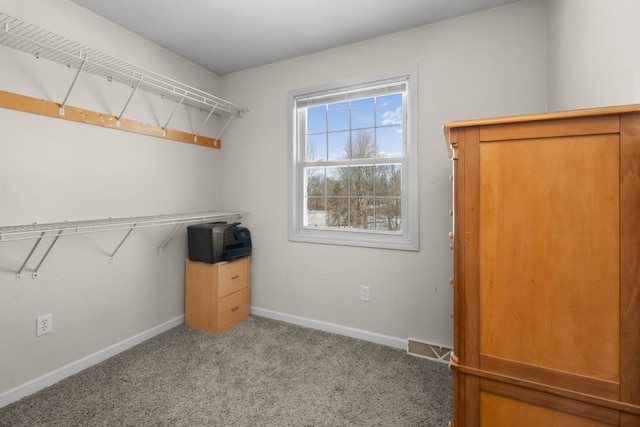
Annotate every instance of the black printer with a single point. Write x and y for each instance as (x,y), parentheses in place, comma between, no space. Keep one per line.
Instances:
(218,241)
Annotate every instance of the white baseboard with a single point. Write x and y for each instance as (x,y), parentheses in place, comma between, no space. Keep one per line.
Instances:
(332,327)
(53,377)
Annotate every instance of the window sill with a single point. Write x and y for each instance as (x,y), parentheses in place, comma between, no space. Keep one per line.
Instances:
(355,238)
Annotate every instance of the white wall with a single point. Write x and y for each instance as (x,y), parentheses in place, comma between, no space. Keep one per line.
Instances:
(54,170)
(481,65)
(485,64)
(594,60)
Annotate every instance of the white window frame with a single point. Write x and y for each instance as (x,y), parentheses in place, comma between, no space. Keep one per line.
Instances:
(408,239)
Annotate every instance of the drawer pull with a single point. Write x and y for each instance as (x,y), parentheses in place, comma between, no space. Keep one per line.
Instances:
(235,308)
(234,276)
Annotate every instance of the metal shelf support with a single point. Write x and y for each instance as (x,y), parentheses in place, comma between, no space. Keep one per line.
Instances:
(195,137)
(46,254)
(225,127)
(33,249)
(73,83)
(164,128)
(169,237)
(128,101)
(120,245)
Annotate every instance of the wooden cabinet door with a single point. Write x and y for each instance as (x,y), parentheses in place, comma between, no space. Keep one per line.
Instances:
(549,259)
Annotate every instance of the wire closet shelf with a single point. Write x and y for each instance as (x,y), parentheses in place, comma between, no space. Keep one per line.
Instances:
(41,43)
(53,231)
(36,231)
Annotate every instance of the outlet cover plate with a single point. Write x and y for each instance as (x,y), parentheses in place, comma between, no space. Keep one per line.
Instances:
(364,293)
(44,324)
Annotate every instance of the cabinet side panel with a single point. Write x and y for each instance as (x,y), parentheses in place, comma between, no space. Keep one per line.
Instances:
(201,295)
(549,253)
(466,387)
(630,253)
(458,255)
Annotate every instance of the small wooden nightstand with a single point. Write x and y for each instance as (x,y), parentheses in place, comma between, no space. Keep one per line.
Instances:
(216,295)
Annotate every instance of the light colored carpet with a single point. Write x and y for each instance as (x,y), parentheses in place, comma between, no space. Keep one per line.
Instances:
(261,372)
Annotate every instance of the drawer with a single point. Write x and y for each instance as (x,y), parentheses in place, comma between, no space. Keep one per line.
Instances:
(233,309)
(233,276)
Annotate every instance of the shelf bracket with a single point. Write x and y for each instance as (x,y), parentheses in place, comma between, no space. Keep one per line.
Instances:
(195,137)
(33,249)
(128,100)
(169,237)
(84,61)
(35,272)
(164,128)
(226,125)
(123,240)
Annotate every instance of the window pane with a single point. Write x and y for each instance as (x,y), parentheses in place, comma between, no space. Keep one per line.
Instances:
(389,110)
(361,214)
(338,181)
(361,181)
(315,182)
(362,144)
(317,147)
(389,214)
(339,145)
(388,180)
(316,213)
(362,113)
(389,141)
(338,116)
(317,119)
(315,204)
(337,212)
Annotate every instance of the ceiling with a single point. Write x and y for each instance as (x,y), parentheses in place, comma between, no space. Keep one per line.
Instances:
(225,36)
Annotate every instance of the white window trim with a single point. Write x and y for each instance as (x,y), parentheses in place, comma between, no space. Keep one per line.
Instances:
(409,238)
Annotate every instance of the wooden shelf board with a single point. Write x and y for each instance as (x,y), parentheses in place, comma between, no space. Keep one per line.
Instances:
(47,108)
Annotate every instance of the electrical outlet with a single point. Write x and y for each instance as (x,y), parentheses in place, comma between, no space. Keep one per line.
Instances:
(364,293)
(44,324)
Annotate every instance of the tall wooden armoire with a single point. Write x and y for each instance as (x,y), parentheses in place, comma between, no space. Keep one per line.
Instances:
(546,282)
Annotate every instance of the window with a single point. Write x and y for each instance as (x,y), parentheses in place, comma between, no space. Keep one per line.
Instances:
(353,175)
